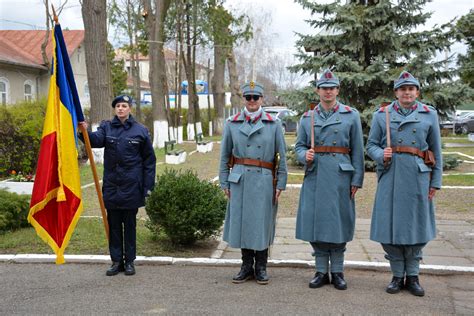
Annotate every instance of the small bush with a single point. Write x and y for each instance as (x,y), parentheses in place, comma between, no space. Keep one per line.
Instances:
(450,162)
(185,208)
(291,156)
(20,136)
(14,210)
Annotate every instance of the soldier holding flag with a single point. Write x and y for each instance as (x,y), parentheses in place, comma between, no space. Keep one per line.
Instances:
(405,142)
(252,177)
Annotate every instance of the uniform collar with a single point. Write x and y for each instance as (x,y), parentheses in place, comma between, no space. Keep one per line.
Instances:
(127,124)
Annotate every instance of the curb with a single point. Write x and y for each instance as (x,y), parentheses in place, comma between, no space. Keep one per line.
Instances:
(216,262)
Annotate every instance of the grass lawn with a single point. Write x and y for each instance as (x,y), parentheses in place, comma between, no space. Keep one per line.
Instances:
(465,150)
(458,180)
(458,140)
(89,238)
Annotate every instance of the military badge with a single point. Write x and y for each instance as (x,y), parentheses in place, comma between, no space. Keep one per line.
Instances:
(252,85)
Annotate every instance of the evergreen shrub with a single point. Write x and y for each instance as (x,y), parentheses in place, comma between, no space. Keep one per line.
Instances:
(14,210)
(185,208)
(21,128)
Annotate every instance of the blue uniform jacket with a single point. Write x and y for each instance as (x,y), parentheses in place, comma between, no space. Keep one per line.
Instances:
(326,212)
(402,213)
(251,215)
(129,162)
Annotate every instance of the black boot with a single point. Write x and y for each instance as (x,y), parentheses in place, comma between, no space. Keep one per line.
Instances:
(246,270)
(413,285)
(395,286)
(319,280)
(261,258)
(115,268)
(337,279)
(129,268)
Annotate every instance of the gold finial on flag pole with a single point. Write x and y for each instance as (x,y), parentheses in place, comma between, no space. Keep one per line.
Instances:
(55,17)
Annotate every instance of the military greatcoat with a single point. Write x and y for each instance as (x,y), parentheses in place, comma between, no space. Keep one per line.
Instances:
(251,215)
(403,214)
(326,212)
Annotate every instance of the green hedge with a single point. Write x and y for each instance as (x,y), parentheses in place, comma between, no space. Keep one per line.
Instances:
(21,127)
(14,210)
(185,208)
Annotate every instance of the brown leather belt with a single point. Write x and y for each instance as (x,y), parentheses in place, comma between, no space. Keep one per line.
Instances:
(253,162)
(332,149)
(409,150)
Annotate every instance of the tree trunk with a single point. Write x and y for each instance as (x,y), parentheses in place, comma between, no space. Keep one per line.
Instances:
(95,43)
(155,27)
(218,91)
(236,95)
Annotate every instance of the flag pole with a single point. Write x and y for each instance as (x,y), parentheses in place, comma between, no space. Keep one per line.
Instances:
(96,178)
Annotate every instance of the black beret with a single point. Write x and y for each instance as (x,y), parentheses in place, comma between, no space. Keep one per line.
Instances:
(122,99)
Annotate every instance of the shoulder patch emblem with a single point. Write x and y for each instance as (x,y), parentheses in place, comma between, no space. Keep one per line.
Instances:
(427,109)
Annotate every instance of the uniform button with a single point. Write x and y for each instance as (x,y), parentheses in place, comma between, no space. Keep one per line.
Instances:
(248,169)
(258,158)
(400,129)
(416,118)
(337,119)
(259,146)
(413,142)
(334,142)
(400,140)
(336,131)
(334,154)
(258,170)
(322,142)
(414,130)
(248,145)
(258,132)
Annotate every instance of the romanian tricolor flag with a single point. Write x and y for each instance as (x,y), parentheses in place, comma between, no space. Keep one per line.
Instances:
(56,202)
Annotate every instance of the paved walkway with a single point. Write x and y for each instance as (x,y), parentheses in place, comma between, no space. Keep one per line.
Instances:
(454,245)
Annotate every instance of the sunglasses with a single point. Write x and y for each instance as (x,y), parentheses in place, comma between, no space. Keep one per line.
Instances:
(250,97)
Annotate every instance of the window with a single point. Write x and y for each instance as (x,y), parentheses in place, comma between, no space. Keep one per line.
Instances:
(4,85)
(28,90)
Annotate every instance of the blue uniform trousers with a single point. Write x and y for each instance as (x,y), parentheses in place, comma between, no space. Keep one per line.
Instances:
(404,259)
(325,252)
(123,234)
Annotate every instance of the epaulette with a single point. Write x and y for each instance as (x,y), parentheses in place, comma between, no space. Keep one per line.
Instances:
(382,109)
(348,108)
(269,117)
(427,109)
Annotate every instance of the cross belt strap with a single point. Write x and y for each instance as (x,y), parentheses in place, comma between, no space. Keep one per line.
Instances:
(332,149)
(253,162)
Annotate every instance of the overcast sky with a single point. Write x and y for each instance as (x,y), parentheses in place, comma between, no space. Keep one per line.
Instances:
(288,17)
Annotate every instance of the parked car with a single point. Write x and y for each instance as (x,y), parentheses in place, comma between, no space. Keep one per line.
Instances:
(289,118)
(446,122)
(464,124)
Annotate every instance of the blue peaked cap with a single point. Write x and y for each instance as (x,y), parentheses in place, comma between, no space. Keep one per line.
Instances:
(252,88)
(406,79)
(123,98)
(327,80)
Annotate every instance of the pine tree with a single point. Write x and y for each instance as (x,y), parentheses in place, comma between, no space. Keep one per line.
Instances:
(369,42)
(465,27)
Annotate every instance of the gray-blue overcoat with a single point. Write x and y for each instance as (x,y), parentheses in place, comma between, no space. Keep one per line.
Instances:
(251,215)
(403,214)
(326,212)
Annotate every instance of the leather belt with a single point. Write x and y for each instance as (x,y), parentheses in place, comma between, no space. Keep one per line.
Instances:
(332,149)
(409,150)
(253,162)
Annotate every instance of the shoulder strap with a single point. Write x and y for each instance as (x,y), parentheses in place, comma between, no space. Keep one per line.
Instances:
(387,127)
(312,128)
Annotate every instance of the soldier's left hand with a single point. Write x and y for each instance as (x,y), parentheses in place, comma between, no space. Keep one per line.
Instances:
(353,191)
(277,195)
(431,193)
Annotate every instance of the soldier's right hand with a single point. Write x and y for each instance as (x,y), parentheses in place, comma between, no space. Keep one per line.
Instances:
(310,155)
(387,153)
(83,124)
(227,193)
